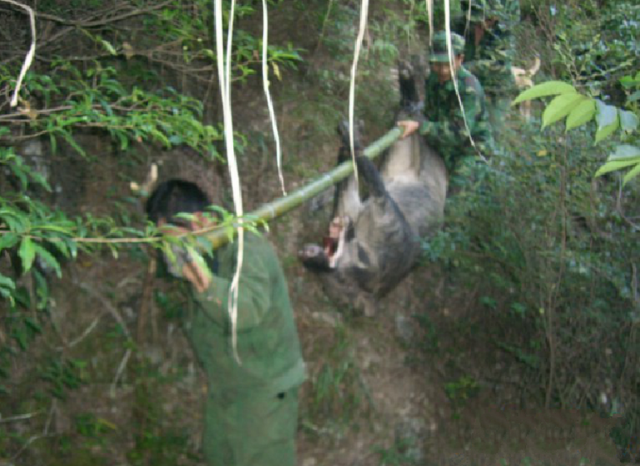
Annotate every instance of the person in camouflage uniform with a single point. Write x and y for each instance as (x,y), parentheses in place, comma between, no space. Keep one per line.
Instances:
(459,136)
(487,26)
(251,410)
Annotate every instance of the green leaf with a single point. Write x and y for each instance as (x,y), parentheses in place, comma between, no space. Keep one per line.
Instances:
(61,246)
(607,131)
(109,47)
(124,141)
(49,259)
(608,121)
(27,253)
(34,326)
(40,180)
(624,151)
(607,114)
(7,283)
(632,174)
(199,261)
(20,173)
(176,139)
(630,81)
(544,90)
(634,97)
(15,222)
(8,240)
(42,291)
(72,142)
(628,121)
(21,339)
(617,165)
(580,115)
(114,251)
(560,107)
(107,108)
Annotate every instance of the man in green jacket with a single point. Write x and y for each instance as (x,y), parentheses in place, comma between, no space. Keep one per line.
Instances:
(459,136)
(488,26)
(252,405)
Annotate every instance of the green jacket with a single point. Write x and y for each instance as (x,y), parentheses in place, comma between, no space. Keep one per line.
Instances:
(444,126)
(491,59)
(268,344)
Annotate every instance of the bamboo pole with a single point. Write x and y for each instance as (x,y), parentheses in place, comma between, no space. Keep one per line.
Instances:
(219,237)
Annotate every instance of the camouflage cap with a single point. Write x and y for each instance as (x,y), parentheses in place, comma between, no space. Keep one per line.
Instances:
(439,51)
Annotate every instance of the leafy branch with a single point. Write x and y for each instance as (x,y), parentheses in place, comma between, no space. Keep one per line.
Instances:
(578,109)
(97,99)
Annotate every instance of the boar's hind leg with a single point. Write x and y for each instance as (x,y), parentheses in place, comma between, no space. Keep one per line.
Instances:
(370,174)
(409,97)
(347,200)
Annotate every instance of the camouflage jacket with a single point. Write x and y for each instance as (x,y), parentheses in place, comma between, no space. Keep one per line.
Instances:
(444,126)
(491,57)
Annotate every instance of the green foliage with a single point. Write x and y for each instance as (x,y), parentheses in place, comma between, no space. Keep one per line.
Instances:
(70,97)
(399,454)
(39,233)
(63,375)
(553,257)
(93,427)
(75,99)
(337,393)
(579,109)
(417,11)
(592,43)
(135,81)
(190,29)
(544,90)
(162,449)
(461,390)
(156,441)
(600,63)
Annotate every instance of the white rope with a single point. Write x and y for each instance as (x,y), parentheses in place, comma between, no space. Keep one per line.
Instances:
(32,50)
(364,12)
(265,83)
(225,91)
(468,19)
(447,25)
(227,87)
(430,15)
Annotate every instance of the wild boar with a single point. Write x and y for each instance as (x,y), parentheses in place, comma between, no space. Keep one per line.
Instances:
(373,243)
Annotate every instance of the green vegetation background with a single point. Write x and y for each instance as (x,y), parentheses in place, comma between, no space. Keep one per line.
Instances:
(545,253)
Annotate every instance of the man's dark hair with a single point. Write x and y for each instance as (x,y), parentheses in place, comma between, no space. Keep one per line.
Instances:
(174,196)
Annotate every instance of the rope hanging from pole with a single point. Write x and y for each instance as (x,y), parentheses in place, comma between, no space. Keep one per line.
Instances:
(266,84)
(224,76)
(430,16)
(364,13)
(32,51)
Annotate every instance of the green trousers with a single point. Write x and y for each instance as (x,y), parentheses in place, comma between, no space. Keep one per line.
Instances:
(258,429)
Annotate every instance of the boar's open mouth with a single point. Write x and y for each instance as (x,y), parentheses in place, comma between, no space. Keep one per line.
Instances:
(325,257)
